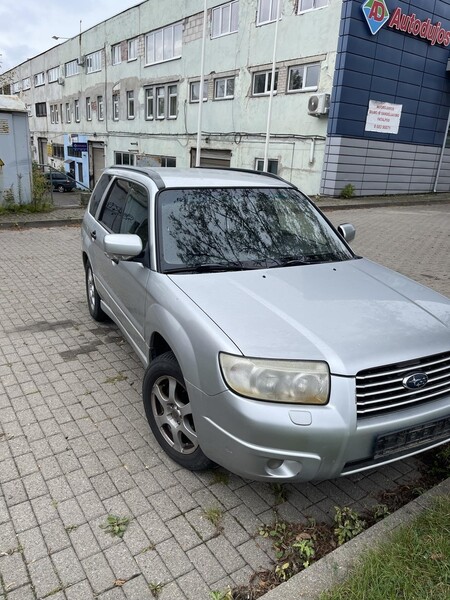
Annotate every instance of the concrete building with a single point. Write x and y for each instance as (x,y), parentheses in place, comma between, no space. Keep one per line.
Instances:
(15,157)
(127,90)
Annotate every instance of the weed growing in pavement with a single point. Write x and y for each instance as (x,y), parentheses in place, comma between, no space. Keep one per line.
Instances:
(116,378)
(214,516)
(280,492)
(116,526)
(218,595)
(348,524)
(220,477)
(348,191)
(155,588)
(71,528)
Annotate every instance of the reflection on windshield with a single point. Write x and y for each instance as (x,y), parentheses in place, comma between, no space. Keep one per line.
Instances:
(242,228)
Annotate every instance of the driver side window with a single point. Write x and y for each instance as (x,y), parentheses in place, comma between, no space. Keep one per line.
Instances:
(126,209)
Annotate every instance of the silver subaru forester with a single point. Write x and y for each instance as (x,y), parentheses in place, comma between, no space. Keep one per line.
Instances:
(270,347)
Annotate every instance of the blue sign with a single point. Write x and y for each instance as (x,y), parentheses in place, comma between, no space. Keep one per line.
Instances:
(80,146)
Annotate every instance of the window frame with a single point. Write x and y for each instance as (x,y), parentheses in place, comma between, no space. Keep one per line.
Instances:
(129,45)
(76,110)
(270,161)
(301,11)
(71,65)
(116,107)
(225,79)
(42,110)
(130,156)
(151,40)
(273,11)
(88,108)
(150,102)
(100,108)
(26,83)
(39,79)
(131,105)
(53,75)
(304,88)
(217,13)
(116,49)
(205,91)
(268,75)
(94,62)
(68,115)
(163,100)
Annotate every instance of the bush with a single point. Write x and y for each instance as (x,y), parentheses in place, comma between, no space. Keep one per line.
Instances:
(348,191)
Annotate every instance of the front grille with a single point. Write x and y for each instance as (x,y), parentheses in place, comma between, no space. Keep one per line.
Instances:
(380,390)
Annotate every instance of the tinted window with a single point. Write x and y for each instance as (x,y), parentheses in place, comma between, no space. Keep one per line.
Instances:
(98,192)
(126,209)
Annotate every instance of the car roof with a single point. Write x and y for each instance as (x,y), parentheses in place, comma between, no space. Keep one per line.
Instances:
(174,177)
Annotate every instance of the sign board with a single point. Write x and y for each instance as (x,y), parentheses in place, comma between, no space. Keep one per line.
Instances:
(4,126)
(80,146)
(383,117)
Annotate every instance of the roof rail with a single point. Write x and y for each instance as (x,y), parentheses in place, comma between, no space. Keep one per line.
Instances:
(155,177)
(240,170)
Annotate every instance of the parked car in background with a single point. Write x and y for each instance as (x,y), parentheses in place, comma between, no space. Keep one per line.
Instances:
(270,347)
(61,182)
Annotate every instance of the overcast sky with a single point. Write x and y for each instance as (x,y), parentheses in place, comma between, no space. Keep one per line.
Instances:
(27,26)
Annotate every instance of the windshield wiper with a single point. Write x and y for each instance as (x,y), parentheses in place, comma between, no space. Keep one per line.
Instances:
(211,267)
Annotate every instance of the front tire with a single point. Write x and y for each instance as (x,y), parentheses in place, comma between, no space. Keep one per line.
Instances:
(93,298)
(169,413)
(61,188)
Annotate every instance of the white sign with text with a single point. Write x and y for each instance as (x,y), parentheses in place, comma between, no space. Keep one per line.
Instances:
(383,117)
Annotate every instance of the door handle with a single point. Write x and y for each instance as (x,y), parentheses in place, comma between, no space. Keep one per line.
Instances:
(93,235)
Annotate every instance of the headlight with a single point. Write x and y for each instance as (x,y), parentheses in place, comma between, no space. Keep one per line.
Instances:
(297,381)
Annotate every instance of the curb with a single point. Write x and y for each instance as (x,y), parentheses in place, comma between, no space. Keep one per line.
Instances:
(30,224)
(335,567)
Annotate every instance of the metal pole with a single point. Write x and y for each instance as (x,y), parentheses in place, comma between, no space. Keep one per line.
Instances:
(200,100)
(441,158)
(272,85)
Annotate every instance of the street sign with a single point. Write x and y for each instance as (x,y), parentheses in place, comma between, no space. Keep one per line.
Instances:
(80,146)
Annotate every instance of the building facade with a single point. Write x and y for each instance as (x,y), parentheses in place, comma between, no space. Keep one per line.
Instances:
(127,92)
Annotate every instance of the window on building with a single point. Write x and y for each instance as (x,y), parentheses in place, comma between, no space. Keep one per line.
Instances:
(100,108)
(115,107)
(161,102)
(262,82)
(116,54)
(53,74)
(163,44)
(26,83)
(272,165)
(58,151)
(132,48)
(130,105)
(41,109)
(88,109)
(194,91)
(224,19)
(224,88)
(267,11)
(39,79)
(74,153)
(303,77)
(305,5)
(16,87)
(168,161)
(76,110)
(67,112)
(124,158)
(94,62)
(71,68)
(54,114)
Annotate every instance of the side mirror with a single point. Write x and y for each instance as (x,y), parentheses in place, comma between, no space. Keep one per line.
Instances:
(121,246)
(347,231)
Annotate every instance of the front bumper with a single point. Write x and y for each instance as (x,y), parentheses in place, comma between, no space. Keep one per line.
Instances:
(268,441)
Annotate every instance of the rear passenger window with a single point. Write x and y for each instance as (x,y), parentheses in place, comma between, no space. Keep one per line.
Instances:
(126,209)
(98,192)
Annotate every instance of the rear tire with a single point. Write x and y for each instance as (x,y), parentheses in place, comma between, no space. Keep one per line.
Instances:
(169,413)
(93,298)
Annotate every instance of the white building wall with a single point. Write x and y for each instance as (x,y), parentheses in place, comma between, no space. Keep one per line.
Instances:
(237,125)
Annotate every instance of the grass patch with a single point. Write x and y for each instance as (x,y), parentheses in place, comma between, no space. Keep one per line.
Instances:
(413,565)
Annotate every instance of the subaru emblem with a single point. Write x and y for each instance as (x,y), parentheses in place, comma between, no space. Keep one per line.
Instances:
(415,381)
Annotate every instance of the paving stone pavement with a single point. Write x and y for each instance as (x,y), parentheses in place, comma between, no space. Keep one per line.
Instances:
(75,445)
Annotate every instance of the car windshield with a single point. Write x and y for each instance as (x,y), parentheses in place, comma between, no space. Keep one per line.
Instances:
(214,229)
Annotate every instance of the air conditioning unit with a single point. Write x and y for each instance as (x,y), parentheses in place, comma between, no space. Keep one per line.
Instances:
(81,61)
(61,80)
(319,104)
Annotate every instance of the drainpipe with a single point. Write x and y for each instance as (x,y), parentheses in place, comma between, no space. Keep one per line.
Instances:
(441,158)
(272,85)
(200,100)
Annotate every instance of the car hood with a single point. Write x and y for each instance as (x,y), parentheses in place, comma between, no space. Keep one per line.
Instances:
(353,315)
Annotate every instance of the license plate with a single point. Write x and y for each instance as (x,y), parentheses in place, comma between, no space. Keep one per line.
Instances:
(413,437)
